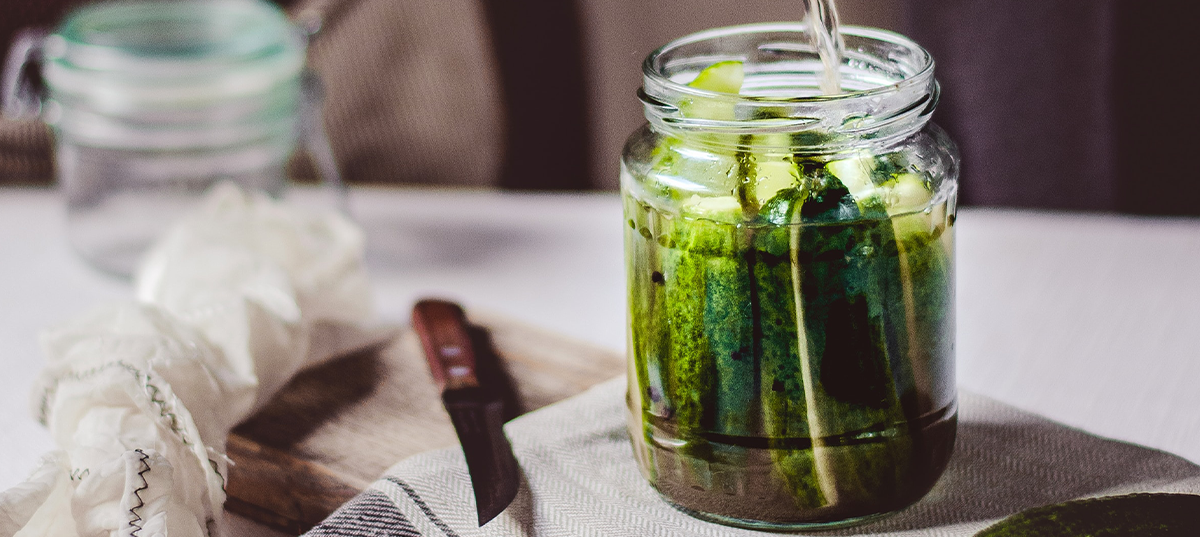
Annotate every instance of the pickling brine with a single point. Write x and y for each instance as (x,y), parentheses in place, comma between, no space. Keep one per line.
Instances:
(791,292)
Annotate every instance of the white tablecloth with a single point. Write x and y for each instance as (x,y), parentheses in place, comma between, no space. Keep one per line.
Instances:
(1089,320)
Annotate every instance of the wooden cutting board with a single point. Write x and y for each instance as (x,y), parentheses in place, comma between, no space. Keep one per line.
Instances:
(335,428)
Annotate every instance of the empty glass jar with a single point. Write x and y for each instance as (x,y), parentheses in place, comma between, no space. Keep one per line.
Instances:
(152,102)
(790,261)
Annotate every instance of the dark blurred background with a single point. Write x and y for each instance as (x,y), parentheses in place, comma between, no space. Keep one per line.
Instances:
(1054,103)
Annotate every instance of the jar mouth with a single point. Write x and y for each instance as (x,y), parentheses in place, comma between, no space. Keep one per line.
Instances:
(887,81)
(141,52)
(132,36)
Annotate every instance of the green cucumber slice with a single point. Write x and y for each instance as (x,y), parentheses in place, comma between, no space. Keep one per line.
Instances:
(784,407)
(855,173)
(774,176)
(725,209)
(722,77)
(908,194)
(689,363)
(1113,516)
(707,167)
(846,363)
(729,325)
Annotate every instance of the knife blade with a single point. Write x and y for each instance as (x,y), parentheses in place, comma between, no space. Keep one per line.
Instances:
(476,407)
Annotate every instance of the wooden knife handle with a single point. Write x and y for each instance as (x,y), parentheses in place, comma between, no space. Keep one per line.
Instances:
(442,327)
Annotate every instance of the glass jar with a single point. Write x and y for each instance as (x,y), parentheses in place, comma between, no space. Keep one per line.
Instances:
(153,102)
(790,263)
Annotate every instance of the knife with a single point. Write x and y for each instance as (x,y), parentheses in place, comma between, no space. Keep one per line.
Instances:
(476,408)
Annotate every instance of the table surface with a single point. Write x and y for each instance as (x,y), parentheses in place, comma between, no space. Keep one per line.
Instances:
(1090,320)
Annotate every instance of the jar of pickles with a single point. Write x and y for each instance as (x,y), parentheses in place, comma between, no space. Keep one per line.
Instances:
(790,262)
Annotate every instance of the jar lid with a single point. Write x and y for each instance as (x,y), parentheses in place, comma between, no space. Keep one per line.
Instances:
(125,54)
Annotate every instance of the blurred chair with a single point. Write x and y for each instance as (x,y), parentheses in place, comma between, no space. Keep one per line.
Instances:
(461,92)
(1068,105)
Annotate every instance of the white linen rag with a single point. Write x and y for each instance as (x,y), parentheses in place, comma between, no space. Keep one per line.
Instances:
(140,397)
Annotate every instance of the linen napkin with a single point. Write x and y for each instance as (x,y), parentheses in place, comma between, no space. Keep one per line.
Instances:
(580,479)
(140,396)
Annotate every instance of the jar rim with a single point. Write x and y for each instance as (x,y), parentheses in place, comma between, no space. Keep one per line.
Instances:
(134,36)
(889,79)
(126,54)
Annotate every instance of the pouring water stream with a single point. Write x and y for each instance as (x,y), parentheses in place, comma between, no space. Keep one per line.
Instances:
(822,20)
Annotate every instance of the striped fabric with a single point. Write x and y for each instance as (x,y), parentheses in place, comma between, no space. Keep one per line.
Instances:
(370,514)
(580,479)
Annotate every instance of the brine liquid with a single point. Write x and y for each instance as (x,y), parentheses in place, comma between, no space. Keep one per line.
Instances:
(791,376)
(822,19)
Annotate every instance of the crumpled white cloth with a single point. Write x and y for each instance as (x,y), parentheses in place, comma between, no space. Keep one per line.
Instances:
(141,396)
